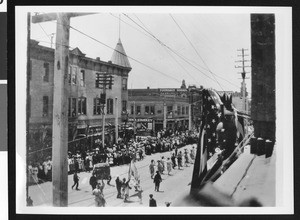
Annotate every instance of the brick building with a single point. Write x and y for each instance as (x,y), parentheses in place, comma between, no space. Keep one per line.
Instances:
(84,101)
(156,109)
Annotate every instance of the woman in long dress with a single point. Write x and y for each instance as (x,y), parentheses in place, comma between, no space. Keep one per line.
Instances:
(152,168)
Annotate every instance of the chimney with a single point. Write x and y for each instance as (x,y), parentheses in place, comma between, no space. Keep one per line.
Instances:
(98,58)
(148,87)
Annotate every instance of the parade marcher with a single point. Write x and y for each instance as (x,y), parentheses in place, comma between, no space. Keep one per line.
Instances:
(125,189)
(186,157)
(93,181)
(157,180)
(179,160)
(169,166)
(98,193)
(76,180)
(173,158)
(119,186)
(151,168)
(163,163)
(152,202)
(139,194)
(192,154)
(160,167)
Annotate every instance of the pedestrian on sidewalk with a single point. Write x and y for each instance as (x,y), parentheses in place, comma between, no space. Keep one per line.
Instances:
(157,180)
(151,168)
(169,165)
(99,196)
(163,161)
(119,186)
(186,157)
(76,180)
(152,201)
(93,181)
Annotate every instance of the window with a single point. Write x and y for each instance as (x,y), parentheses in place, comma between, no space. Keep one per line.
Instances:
(169,109)
(178,110)
(147,110)
(69,109)
(73,107)
(124,84)
(97,106)
(69,77)
(138,109)
(82,78)
(124,106)
(132,109)
(183,110)
(159,111)
(187,110)
(109,106)
(45,106)
(152,110)
(46,76)
(74,75)
(97,81)
(82,106)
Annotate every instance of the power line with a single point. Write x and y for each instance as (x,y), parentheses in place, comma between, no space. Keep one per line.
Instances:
(166,75)
(195,50)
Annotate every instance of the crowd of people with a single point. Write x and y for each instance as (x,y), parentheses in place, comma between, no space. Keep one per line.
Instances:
(115,155)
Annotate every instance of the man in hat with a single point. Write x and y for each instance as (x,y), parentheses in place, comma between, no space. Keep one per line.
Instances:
(157,180)
(152,202)
(76,180)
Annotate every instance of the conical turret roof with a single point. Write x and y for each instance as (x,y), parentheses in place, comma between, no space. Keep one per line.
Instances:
(119,56)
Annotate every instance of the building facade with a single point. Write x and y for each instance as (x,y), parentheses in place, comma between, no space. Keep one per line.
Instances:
(152,110)
(85,114)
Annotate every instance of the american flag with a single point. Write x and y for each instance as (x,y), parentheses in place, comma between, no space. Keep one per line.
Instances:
(212,115)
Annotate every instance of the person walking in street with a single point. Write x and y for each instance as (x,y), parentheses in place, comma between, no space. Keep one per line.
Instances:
(169,166)
(119,186)
(152,201)
(157,180)
(125,189)
(186,157)
(160,167)
(173,158)
(99,196)
(93,181)
(76,180)
(179,160)
(151,168)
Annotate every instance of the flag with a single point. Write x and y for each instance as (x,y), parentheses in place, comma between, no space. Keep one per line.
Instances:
(211,117)
(133,172)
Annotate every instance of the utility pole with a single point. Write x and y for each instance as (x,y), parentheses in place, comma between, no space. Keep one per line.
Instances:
(60,104)
(103,80)
(28,98)
(116,120)
(243,73)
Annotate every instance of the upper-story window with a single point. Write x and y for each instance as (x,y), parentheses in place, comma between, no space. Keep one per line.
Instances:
(138,109)
(187,110)
(124,84)
(82,78)
(147,110)
(110,106)
(152,110)
(82,106)
(124,106)
(97,106)
(46,76)
(169,109)
(132,109)
(183,110)
(178,110)
(45,106)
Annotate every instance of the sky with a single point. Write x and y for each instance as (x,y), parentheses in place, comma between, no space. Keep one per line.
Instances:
(200,48)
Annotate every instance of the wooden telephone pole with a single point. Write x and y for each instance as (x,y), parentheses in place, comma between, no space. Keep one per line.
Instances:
(60,104)
(243,73)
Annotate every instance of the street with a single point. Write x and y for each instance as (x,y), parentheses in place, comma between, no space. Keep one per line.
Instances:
(170,187)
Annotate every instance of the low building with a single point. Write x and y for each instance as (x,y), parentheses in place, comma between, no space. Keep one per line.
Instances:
(84,110)
(152,110)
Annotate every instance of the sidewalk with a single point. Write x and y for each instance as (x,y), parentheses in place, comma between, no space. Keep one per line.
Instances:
(251,176)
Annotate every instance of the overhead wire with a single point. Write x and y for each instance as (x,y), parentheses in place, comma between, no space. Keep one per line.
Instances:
(134,59)
(196,50)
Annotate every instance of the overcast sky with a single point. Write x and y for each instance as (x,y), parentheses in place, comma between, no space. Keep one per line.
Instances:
(204,46)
